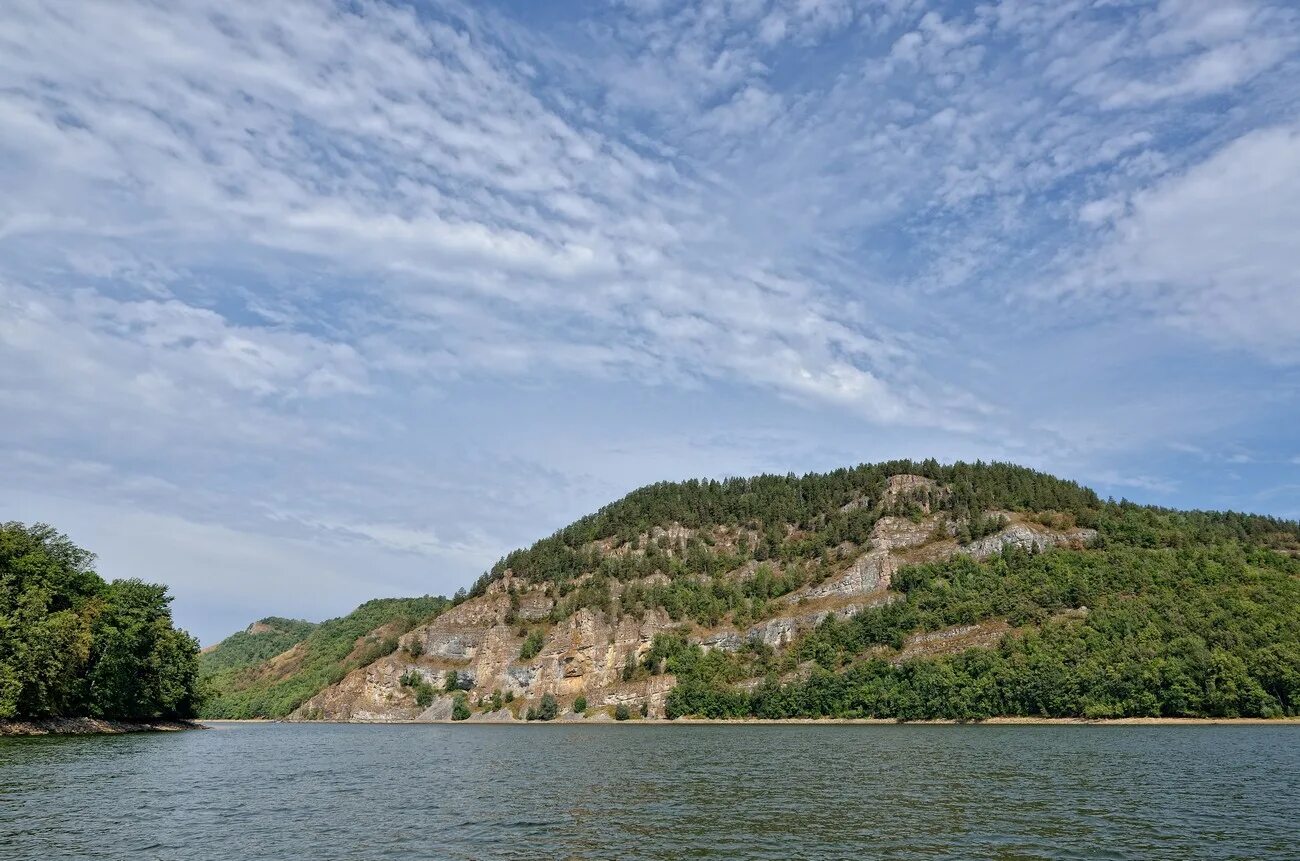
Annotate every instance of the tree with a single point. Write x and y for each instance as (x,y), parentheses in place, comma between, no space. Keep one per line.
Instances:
(71,644)
(622,712)
(580,705)
(548,709)
(459,707)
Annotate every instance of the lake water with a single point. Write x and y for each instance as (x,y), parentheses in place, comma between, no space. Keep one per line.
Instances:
(354,792)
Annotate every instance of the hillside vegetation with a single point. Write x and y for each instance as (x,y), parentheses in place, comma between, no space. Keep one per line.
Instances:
(902,590)
(261,641)
(240,686)
(1169,615)
(72,645)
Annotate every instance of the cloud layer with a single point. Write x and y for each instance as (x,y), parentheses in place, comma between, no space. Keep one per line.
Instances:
(426,283)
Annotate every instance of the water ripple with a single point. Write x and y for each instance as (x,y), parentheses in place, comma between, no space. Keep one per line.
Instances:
(292,792)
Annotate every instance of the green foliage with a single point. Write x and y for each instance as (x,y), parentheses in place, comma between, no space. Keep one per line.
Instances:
(622,712)
(532,645)
(580,705)
(1187,614)
(460,706)
(424,691)
(334,648)
(263,640)
(71,644)
(548,709)
(455,681)
(813,503)
(415,648)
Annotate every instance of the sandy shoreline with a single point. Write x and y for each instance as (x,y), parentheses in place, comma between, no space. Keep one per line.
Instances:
(997,721)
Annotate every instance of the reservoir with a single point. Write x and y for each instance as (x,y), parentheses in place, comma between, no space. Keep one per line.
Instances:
(294,792)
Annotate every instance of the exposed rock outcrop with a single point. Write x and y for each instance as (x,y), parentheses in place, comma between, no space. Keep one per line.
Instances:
(1027,537)
(585,654)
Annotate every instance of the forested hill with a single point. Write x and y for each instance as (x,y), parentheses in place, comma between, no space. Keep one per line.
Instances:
(260,641)
(801,516)
(72,645)
(272,667)
(903,589)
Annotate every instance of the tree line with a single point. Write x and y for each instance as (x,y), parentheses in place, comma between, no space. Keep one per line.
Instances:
(72,644)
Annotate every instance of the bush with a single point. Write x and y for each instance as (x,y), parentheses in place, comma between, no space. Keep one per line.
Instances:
(460,707)
(415,648)
(548,709)
(622,712)
(424,695)
(580,705)
(510,696)
(532,646)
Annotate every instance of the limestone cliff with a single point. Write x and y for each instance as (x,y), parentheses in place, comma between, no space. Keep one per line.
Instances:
(586,651)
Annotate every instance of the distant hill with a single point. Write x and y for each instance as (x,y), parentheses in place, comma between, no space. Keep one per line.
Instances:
(260,641)
(270,668)
(901,590)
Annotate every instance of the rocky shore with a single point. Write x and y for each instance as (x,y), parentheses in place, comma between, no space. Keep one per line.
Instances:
(89,726)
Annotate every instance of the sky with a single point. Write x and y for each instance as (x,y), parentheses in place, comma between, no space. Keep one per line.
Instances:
(305,303)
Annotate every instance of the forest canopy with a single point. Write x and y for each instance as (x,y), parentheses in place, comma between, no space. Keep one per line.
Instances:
(73,645)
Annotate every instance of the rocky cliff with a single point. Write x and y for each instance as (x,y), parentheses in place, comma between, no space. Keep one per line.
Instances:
(590,649)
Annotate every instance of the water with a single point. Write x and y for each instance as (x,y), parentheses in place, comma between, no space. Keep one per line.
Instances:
(353,793)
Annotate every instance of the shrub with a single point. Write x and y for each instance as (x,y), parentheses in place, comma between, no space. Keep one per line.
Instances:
(424,695)
(510,696)
(460,707)
(580,705)
(415,648)
(548,709)
(532,646)
(622,712)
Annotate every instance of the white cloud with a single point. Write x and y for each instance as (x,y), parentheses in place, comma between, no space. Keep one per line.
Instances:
(1214,249)
(349,273)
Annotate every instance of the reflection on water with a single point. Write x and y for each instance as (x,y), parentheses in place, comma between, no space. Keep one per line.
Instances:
(324,791)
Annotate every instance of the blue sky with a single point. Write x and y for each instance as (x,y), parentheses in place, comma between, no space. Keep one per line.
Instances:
(305,303)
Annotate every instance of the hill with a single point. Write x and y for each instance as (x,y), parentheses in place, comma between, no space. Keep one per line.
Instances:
(899,590)
(260,641)
(248,675)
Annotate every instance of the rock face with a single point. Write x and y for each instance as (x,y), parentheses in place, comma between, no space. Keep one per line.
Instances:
(584,654)
(1027,537)
(869,573)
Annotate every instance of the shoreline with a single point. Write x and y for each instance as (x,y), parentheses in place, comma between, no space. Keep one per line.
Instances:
(995,721)
(26,727)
